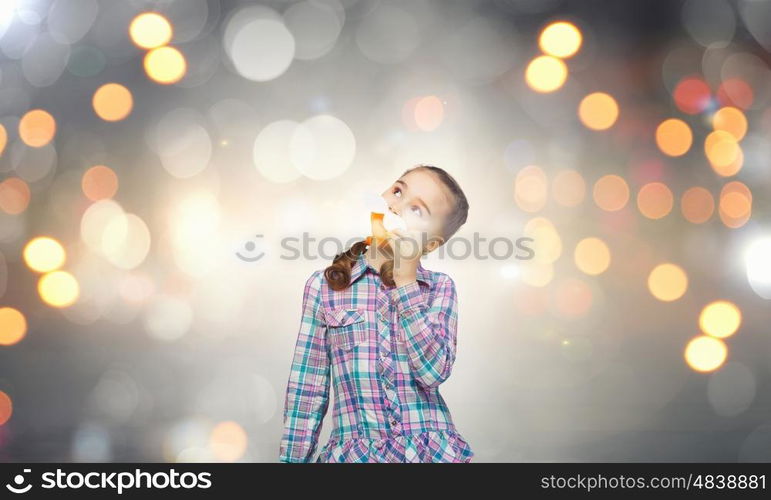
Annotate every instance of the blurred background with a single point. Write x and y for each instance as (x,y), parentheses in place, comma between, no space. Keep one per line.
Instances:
(154,156)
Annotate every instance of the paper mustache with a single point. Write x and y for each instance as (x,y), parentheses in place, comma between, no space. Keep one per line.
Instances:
(382,221)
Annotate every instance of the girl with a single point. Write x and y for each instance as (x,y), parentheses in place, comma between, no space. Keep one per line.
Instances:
(382,330)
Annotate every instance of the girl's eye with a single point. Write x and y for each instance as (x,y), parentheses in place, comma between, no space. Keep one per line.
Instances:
(417,209)
(397,189)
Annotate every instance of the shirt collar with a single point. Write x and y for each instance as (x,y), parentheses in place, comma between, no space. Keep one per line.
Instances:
(361,264)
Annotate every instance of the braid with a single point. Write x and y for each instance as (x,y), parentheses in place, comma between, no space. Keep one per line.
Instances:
(338,274)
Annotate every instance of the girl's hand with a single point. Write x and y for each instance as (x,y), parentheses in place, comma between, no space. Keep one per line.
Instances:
(407,247)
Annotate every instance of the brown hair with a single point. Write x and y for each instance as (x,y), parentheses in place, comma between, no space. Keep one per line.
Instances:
(338,274)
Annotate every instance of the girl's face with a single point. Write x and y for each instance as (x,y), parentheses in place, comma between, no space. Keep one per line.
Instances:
(423,202)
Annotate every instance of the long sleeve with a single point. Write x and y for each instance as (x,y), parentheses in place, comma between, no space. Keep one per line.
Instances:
(428,330)
(307,392)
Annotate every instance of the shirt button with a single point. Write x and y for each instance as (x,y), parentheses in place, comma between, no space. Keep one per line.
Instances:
(394,422)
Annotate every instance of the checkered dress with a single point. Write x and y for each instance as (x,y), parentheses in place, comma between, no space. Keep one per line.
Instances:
(385,350)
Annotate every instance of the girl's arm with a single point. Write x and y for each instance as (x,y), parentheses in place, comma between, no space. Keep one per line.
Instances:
(307,392)
(428,330)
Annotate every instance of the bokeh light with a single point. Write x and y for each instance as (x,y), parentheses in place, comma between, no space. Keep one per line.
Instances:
(315,27)
(258,43)
(546,74)
(735,204)
(228,441)
(272,152)
(531,188)
(6,408)
(720,318)
(598,111)
(697,204)
(14,195)
(592,256)
(94,221)
(322,147)
(34,164)
(711,23)
(112,102)
(99,182)
(58,289)
(37,128)
(655,200)
(705,354)
(723,152)
(13,326)
(182,142)
(3,139)
(126,241)
(560,39)
(611,192)
(165,65)
(692,95)
(44,254)
(70,22)
(547,244)
(674,137)
(731,120)
(86,61)
(735,92)
(758,266)
(667,282)
(429,113)
(568,188)
(150,30)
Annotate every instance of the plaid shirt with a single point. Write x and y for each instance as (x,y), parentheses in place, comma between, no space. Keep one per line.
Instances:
(385,350)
